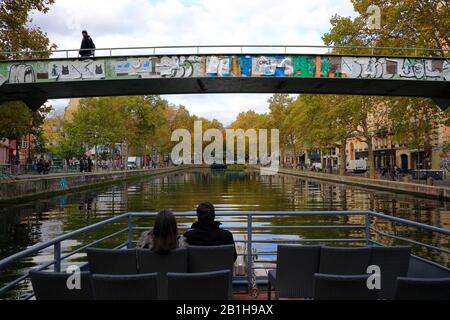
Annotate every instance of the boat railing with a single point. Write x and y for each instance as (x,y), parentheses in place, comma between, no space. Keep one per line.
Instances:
(366,224)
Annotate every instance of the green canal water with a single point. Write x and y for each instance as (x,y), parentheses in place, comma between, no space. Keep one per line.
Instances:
(24,225)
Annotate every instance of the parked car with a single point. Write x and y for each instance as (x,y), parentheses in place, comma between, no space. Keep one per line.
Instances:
(356,166)
(133,163)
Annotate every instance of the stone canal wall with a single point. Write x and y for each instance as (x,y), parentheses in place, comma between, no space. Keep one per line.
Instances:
(37,186)
(435,192)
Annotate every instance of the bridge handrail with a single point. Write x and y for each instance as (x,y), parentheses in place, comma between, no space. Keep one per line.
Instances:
(239,47)
(58,257)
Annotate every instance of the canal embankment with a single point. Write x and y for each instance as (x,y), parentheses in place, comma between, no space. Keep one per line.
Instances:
(421,190)
(31,187)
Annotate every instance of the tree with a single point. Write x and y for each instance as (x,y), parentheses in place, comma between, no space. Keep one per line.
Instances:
(15,120)
(98,121)
(404,23)
(324,122)
(278,105)
(371,119)
(17,34)
(416,127)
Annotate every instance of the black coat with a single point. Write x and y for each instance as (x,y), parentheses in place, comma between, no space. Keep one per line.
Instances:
(209,234)
(87,43)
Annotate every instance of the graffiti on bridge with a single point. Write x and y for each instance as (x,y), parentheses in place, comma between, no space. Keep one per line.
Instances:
(196,66)
(76,70)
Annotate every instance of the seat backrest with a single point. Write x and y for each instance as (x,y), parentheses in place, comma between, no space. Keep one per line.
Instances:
(213,258)
(125,287)
(344,261)
(210,259)
(110,261)
(150,262)
(296,266)
(393,263)
(199,286)
(175,261)
(342,287)
(422,289)
(53,286)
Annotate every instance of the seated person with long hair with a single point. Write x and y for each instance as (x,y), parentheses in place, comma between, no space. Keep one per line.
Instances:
(164,237)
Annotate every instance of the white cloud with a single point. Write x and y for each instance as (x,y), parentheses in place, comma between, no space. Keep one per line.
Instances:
(126,23)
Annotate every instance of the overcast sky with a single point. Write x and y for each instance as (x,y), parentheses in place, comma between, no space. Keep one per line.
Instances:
(125,23)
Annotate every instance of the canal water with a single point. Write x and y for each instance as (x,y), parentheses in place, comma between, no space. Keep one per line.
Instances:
(23,225)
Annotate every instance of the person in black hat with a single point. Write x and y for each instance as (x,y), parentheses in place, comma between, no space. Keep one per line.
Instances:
(206,231)
(87,43)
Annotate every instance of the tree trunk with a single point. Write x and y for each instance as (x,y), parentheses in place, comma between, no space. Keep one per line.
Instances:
(342,158)
(371,162)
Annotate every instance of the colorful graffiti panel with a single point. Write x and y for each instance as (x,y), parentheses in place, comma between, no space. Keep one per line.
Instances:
(76,70)
(195,66)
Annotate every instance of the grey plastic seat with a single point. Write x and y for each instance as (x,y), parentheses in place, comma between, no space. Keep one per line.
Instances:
(294,276)
(199,286)
(212,258)
(151,262)
(342,287)
(393,263)
(344,261)
(110,261)
(125,287)
(422,289)
(53,286)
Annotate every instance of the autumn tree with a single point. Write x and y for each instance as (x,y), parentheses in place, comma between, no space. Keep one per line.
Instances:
(324,122)
(278,106)
(17,32)
(404,24)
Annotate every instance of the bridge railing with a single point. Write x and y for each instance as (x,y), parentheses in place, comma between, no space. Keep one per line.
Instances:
(366,226)
(225,49)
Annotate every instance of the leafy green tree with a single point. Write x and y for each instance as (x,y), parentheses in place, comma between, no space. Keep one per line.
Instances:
(278,105)
(404,23)
(324,122)
(15,120)
(98,121)
(17,33)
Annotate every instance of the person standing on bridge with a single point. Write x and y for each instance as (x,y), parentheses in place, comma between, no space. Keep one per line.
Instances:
(87,43)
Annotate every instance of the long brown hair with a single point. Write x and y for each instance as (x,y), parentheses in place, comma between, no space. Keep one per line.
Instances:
(165,233)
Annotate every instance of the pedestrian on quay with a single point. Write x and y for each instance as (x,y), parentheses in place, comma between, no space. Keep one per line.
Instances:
(40,166)
(82,165)
(47,166)
(90,163)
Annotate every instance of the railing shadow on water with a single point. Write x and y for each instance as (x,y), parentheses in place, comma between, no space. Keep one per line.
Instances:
(355,228)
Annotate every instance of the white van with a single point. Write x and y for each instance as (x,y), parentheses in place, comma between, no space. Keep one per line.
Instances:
(359,165)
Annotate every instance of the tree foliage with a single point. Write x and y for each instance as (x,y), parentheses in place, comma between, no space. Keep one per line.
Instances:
(17,32)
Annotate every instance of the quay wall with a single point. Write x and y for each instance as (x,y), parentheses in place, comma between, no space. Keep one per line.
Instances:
(13,190)
(435,192)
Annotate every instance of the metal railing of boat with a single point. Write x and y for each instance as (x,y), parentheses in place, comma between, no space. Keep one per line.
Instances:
(368,226)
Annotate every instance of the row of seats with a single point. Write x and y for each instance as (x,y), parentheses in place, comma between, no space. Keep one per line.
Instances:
(191,273)
(145,286)
(202,273)
(341,273)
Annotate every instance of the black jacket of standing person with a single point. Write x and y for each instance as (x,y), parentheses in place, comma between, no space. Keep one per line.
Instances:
(87,43)
(206,231)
